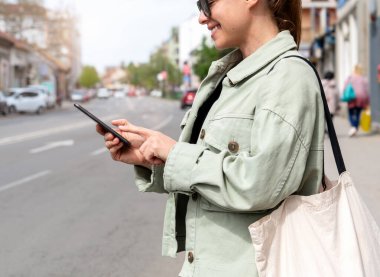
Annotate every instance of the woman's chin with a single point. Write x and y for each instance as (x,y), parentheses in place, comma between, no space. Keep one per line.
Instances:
(220,46)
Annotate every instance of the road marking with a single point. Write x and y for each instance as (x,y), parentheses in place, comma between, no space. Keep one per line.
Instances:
(99,151)
(48,132)
(24,180)
(163,123)
(52,145)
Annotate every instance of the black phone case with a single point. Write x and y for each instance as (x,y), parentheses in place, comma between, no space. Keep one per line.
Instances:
(104,125)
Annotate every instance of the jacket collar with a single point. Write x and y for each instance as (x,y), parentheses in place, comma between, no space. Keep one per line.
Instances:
(280,44)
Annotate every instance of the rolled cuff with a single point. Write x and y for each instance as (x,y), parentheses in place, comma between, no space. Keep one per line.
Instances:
(179,166)
(150,180)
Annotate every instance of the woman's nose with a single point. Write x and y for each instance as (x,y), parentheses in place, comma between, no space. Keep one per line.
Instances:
(202,19)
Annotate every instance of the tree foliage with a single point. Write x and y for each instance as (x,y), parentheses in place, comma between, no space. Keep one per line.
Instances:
(205,55)
(145,75)
(89,77)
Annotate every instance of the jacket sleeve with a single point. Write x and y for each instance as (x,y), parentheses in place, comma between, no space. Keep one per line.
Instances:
(272,169)
(149,180)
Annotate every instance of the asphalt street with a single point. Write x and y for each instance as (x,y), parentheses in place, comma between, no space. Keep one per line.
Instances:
(68,209)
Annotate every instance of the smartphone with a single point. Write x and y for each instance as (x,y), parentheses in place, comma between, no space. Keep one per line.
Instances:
(104,126)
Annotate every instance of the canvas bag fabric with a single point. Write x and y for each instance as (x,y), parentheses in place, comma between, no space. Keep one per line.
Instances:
(327,234)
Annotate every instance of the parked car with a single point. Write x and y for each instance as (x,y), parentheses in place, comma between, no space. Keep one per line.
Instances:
(132,93)
(79,96)
(188,98)
(120,93)
(26,100)
(51,97)
(156,93)
(3,104)
(103,93)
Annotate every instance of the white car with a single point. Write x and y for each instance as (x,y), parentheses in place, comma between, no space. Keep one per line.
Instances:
(156,93)
(119,93)
(51,97)
(26,100)
(103,93)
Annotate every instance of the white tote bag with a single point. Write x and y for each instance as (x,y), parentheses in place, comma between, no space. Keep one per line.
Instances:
(327,234)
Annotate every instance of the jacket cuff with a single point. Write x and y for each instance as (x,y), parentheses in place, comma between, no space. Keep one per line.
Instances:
(149,180)
(179,166)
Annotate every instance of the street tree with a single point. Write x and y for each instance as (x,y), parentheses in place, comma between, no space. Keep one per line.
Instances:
(145,75)
(89,77)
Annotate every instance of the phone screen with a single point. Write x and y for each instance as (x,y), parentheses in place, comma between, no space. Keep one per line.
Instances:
(104,125)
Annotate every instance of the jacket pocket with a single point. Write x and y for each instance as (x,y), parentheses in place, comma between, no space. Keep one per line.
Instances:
(231,132)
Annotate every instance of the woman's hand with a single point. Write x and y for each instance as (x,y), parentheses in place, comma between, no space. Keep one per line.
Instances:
(155,147)
(119,152)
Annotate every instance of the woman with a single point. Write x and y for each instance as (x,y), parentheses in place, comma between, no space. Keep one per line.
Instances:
(253,137)
(331,92)
(355,107)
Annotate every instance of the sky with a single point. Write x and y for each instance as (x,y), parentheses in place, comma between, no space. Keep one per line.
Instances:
(115,31)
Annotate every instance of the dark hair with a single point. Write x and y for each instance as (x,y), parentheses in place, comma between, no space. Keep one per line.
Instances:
(288,16)
(329,75)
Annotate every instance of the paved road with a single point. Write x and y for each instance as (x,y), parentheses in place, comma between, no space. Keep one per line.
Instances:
(67,209)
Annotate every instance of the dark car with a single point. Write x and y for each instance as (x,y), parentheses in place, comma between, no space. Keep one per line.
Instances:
(4,109)
(188,98)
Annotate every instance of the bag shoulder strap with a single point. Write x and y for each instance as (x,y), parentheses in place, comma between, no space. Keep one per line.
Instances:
(330,126)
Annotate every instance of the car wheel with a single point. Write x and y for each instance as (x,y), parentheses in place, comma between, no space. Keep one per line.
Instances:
(40,110)
(12,109)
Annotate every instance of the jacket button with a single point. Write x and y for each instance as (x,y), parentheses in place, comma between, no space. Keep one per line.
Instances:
(233,146)
(190,257)
(194,196)
(203,134)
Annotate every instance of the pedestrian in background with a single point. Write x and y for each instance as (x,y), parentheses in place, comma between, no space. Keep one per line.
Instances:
(254,136)
(361,101)
(331,92)
(186,72)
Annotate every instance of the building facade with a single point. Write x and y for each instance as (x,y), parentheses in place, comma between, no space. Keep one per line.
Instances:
(352,38)
(63,42)
(318,33)
(374,63)
(5,60)
(358,42)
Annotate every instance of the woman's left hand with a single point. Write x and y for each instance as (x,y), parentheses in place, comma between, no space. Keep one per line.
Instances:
(156,145)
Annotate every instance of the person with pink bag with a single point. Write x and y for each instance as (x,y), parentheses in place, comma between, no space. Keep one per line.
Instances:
(361,101)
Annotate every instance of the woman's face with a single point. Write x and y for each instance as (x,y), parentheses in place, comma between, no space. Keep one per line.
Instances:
(228,23)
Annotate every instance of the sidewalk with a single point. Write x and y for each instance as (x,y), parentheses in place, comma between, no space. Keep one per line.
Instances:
(362,158)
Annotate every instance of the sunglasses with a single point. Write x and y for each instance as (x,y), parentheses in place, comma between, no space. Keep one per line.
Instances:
(204,6)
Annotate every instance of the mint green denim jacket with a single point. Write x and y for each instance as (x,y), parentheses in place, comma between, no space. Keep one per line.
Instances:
(260,142)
